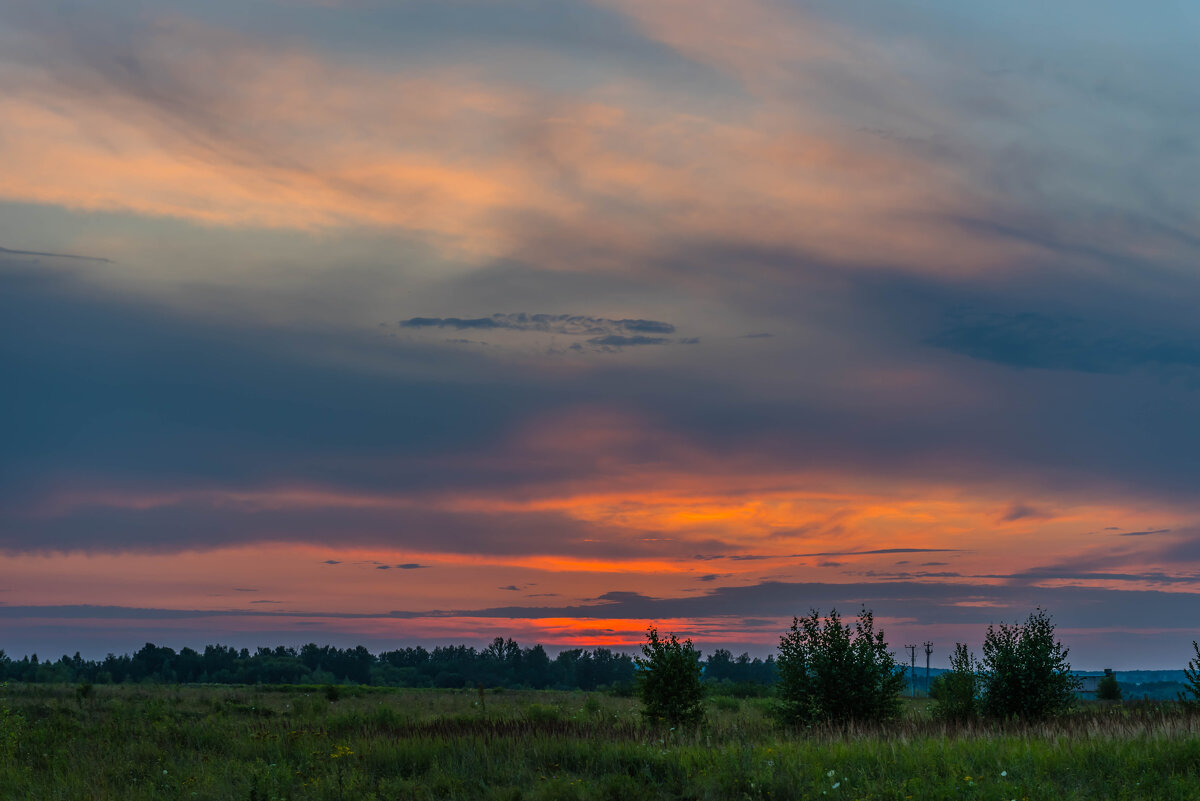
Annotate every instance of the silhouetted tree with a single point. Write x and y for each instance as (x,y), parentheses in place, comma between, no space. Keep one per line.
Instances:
(831,672)
(956,693)
(1107,689)
(670,680)
(1190,697)
(1025,673)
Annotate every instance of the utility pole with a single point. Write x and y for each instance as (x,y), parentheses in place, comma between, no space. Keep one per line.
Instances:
(928,653)
(912,673)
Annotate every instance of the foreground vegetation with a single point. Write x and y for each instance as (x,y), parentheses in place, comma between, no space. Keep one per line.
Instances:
(503,663)
(300,743)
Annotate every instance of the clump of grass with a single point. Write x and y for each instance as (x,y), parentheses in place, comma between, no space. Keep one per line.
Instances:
(725,703)
(542,713)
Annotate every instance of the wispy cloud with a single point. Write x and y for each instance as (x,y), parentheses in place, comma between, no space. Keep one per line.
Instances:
(10,252)
(569,324)
(597,333)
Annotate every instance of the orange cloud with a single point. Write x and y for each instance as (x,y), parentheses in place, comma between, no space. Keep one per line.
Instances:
(277,136)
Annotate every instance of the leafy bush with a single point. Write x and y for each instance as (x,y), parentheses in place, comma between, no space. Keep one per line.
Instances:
(670,680)
(1190,697)
(830,672)
(1107,689)
(1025,673)
(956,693)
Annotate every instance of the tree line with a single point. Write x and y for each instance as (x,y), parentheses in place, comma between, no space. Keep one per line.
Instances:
(831,672)
(503,663)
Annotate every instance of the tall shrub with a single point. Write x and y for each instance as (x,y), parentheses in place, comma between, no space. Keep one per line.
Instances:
(1108,688)
(831,672)
(1191,695)
(956,693)
(1025,672)
(670,680)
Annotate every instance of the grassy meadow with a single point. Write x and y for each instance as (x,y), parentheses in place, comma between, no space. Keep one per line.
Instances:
(263,744)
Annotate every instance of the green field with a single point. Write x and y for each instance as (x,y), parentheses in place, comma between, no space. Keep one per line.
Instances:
(261,743)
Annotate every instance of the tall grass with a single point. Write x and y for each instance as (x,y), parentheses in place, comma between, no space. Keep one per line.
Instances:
(261,744)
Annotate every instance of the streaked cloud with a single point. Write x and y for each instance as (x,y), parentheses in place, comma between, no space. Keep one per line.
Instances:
(571,324)
(10,252)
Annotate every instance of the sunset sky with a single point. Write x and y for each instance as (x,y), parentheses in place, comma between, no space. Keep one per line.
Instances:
(391,322)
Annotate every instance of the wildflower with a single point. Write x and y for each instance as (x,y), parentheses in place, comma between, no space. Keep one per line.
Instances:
(830,774)
(836,785)
(1003,773)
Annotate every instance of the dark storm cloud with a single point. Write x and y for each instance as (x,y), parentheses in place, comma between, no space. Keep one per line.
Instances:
(134,395)
(1035,340)
(131,396)
(927,602)
(222,523)
(138,398)
(142,390)
(1047,574)
(930,603)
(101,612)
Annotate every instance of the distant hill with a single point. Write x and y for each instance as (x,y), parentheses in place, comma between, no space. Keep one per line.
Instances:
(1139,676)
(1153,685)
